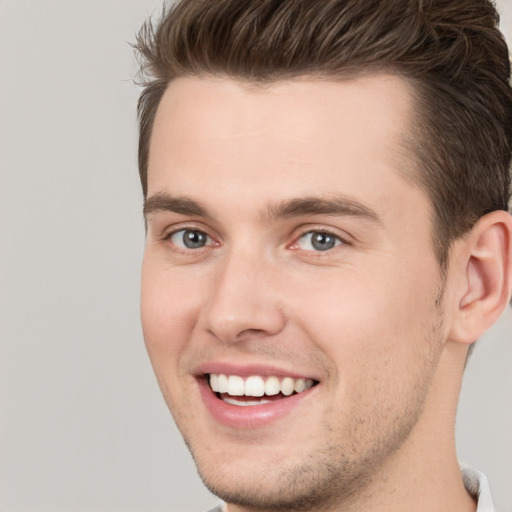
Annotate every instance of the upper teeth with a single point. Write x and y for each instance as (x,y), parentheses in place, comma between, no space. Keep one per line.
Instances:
(257,386)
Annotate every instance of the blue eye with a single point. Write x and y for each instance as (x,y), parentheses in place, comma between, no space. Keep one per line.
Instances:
(190,239)
(318,241)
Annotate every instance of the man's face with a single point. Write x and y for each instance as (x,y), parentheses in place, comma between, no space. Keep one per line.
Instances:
(286,250)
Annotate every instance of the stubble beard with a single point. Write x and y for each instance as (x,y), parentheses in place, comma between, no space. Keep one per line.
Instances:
(319,484)
(325,479)
(332,475)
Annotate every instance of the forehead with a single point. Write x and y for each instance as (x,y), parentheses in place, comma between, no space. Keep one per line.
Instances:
(289,138)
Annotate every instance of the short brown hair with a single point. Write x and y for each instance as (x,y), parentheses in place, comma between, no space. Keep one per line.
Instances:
(451,50)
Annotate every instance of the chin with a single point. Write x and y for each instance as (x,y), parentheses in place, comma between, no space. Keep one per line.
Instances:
(301,483)
(249,491)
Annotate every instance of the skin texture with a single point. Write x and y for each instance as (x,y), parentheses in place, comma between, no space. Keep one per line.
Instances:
(370,319)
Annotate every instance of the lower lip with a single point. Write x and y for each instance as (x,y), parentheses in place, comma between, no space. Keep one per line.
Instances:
(252,416)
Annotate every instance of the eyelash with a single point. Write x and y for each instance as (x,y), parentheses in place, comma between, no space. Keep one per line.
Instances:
(322,231)
(210,242)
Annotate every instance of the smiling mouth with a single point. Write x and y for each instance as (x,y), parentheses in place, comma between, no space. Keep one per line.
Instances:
(256,390)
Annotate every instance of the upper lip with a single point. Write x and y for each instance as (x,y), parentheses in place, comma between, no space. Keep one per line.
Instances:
(246,370)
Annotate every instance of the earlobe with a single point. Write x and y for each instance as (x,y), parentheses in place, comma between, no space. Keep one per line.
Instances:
(487,276)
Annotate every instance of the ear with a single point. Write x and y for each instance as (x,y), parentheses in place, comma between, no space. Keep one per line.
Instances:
(484,258)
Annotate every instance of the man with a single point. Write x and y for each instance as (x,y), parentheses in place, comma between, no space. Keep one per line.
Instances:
(326,187)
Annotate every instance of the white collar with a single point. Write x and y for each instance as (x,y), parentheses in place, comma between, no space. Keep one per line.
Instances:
(477,485)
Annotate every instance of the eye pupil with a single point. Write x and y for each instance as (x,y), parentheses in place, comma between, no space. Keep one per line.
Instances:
(322,241)
(194,239)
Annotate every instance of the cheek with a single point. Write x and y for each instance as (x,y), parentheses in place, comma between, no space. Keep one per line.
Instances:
(377,335)
(374,323)
(167,313)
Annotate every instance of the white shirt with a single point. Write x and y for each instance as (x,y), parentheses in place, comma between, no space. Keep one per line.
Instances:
(477,485)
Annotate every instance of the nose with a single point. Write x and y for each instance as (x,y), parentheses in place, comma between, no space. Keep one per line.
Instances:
(244,302)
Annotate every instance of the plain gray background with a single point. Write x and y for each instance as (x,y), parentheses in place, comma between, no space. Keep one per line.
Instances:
(82,423)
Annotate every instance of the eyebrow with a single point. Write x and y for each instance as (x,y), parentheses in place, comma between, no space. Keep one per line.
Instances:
(164,202)
(338,205)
